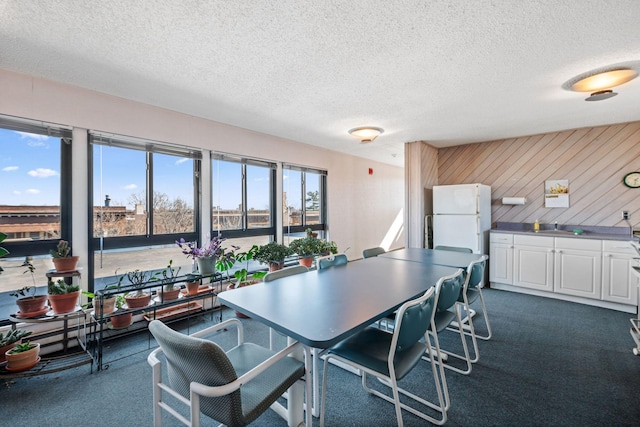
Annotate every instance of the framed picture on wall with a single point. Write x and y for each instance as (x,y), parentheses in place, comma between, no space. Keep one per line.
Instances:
(556,193)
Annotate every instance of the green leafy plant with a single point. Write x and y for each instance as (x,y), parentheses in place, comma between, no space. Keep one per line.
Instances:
(136,278)
(19,348)
(27,291)
(3,251)
(60,287)
(272,252)
(62,250)
(242,275)
(12,336)
(169,274)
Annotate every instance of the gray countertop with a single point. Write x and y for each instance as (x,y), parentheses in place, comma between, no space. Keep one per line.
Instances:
(589,232)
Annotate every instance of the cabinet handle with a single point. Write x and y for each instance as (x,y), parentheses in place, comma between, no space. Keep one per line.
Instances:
(558,251)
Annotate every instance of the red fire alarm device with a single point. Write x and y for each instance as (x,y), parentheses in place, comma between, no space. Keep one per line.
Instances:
(370,171)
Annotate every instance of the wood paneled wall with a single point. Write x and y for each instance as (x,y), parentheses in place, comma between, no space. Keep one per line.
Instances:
(594,160)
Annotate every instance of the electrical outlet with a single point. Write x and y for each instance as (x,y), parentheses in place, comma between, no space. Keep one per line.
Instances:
(625,215)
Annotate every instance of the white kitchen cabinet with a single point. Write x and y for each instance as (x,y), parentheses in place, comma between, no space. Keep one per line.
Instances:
(619,283)
(501,259)
(578,267)
(533,262)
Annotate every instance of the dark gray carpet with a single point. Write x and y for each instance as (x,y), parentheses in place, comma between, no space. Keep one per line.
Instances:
(550,363)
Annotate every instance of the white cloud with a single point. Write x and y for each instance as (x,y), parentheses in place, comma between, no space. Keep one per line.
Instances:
(33,191)
(16,192)
(130,187)
(36,136)
(42,173)
(34,139)
(10,168)
(181,161)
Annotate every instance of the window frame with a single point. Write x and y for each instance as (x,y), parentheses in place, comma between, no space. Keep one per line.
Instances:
(101,243)
(322,226)
(42,247)
(244,231)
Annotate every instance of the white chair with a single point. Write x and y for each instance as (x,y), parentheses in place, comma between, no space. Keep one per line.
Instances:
(232,387)
(284,272)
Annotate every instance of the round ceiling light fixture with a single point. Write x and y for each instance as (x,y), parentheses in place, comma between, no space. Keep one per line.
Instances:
(599,83)
(366,133)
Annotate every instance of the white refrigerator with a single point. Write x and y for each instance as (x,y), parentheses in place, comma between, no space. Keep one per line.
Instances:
(462,216)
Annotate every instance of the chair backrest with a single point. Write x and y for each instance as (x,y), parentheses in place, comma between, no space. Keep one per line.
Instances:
(454,249)
(371,252)
(191,359)
(413,319)
(448,290)
(475,273)
(332,261)
(289,271)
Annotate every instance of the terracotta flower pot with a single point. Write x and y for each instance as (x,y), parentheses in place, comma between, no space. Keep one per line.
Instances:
(66,264)
(171,295)
(6,348)
(192,287)
(121,320)
(32,306)
(24,360)
(275,266)
(64,303)
(306,261)
(134,301)
(108,305)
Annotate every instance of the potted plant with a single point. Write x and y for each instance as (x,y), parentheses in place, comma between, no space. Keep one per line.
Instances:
(193,284)
(272,254)
(8,341)
(108,304)
(63,296)
(61,258)
(306,248)
(29,304)
(121,320)
(242,275)
(137,279)
(22,356)
(169,290)
(3,251)
(205,257)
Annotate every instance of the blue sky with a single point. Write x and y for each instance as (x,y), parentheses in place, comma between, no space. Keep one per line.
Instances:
(30,175)
(29,169)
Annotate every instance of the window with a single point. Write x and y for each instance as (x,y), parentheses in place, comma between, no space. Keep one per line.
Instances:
(144,199)
(243,194)
(35,163)
(303,200)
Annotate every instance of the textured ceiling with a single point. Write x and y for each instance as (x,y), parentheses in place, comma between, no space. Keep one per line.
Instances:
(445,72)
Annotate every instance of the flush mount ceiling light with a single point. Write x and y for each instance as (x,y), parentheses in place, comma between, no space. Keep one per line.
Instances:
(601,82)
(366,133)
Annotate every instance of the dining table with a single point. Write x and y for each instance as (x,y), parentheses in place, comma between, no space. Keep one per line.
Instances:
(320,308)
(433,256)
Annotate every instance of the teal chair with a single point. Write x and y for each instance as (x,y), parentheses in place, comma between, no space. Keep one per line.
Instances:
(233,388)
(391,356)
(454,249)
(371,252)
(332,261)
(472,291)
(446,314)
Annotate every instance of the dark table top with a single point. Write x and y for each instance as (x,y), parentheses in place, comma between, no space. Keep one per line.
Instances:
(321,307)
(433,257)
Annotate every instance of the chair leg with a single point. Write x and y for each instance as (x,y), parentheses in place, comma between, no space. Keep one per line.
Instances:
(486,319)
(466,357)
